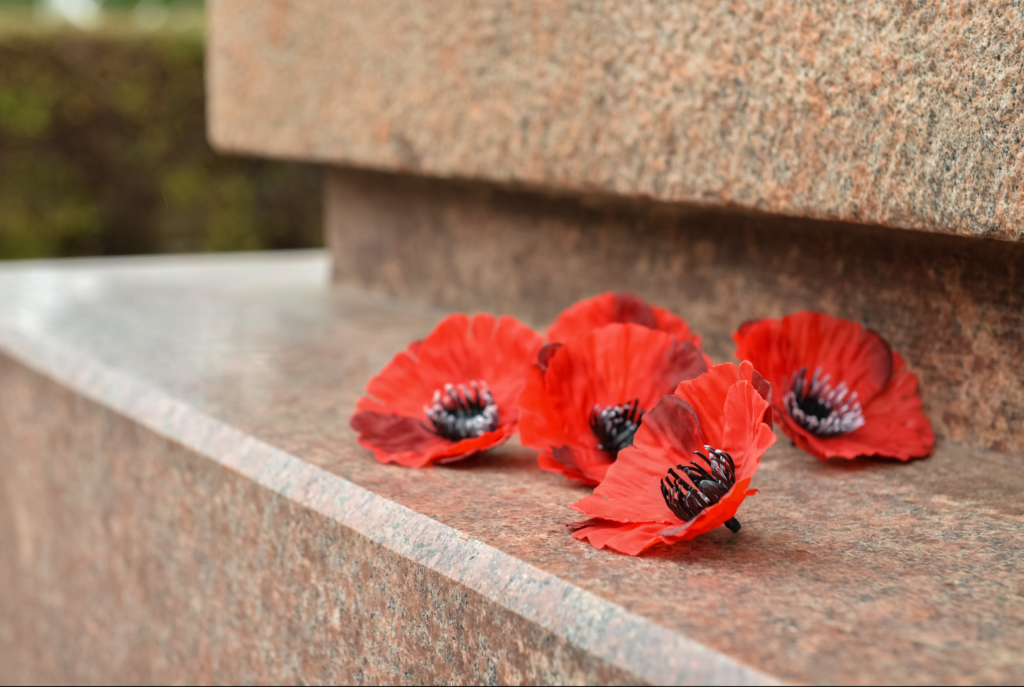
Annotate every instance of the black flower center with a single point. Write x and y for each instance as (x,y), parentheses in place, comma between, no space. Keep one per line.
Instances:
(820,408)
(615,426)
(705,487)
(463,412)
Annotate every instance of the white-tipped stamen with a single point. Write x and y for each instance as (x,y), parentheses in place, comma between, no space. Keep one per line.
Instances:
(463,412)
(821,409)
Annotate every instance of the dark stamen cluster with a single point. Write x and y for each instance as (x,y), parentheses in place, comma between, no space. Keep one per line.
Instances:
(615,426)
(819,408)
(705,487)
(463,412)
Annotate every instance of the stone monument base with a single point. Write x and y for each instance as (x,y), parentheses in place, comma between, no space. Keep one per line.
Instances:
(183,500)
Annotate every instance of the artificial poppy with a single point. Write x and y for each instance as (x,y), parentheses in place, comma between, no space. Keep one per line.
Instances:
(450,395)
(657,492)
(585,398)
(840,390)
(617,308)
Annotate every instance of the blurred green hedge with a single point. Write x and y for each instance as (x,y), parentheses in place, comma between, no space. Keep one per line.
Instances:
(103,152)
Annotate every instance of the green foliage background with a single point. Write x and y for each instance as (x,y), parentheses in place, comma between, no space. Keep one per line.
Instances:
(103,152)
(110,4)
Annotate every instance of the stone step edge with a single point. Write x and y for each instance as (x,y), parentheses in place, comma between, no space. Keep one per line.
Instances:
(652,653)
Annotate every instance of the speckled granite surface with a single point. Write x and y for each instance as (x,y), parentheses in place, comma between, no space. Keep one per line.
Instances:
(953,307)
(906,114)
(126,557)
(183,501)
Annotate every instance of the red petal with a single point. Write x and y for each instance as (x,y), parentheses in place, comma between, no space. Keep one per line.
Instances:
(504,358)
(547,461)
(473,445)
(617,308)
(407,442)
(629,504)
(451,351)
(633,361)
(401,387)
(612,365)
(706,395)
(391,421)
(388,435)
(545,354)
(630,309)
(761,385)
(671,430)
(589,465)
(745,436)
(628,538)
(580,524)
(763,344)
(458,351)
(843,349)
(540,420)
(549,408)
(894,426)
(591,314)
(631,491)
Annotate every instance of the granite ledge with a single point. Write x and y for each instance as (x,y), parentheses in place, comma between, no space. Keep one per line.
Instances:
(899,114)
(604,631)
(933,595)
(952,306)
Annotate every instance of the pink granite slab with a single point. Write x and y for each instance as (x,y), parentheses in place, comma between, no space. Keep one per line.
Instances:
(129,557)
(212,396)
(900,113)
(953,307)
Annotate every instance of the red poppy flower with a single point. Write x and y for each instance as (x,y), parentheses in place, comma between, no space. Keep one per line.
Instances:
(585,399)
(617,308)
(656,492)
(449,396)
(840,390)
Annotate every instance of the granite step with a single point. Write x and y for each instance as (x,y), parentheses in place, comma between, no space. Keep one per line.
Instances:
(183,501)
(899,114)
(727,161)
(953,307)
